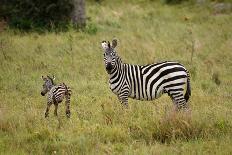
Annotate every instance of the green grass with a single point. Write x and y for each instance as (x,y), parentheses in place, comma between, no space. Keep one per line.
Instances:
(147,33)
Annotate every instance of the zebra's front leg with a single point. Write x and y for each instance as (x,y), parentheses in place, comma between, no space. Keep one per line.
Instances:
(123,98)
(47,109)
(67,103)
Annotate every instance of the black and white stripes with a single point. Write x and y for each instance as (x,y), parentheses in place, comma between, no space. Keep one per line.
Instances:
(56,94)
(146,82)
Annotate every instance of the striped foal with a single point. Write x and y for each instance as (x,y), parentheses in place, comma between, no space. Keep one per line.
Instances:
(56,94)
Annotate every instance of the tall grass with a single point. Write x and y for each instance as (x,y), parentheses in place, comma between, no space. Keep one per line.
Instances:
(147,33)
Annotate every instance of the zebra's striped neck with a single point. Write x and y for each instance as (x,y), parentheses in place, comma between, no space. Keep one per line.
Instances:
(50,87)
(117,75)
(118,66)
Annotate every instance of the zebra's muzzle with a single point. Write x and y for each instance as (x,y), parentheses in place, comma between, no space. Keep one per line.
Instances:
(42,94)
(109,67)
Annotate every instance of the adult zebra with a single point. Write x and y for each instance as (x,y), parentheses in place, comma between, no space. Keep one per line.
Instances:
(146,82)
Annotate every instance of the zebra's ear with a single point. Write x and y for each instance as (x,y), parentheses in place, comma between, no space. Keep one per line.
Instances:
(114,43)
(53,77)
(108,44)
(104,45)
(42,77)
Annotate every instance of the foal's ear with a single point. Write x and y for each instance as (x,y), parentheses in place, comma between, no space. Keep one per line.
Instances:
(114,43)
(109,44)
(104,45)
(42,77)
(52,78)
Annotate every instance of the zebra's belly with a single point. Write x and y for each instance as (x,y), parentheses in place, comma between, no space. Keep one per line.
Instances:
(139,98)
(135,92)
(58,98)
(146,95)
(143,97)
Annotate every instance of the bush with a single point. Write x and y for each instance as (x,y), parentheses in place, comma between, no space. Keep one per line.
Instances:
(174,1)
(28,14)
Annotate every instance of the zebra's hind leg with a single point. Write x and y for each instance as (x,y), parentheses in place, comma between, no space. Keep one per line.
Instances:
(47,109)
(179,100)
(67,103)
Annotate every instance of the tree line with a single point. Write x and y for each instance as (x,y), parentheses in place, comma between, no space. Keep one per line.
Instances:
(41,14)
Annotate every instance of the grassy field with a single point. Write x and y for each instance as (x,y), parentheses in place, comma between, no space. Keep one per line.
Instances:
(147,33)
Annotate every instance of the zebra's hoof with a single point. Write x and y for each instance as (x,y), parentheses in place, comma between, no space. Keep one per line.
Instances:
(125,106)
(46,115)
(68,114)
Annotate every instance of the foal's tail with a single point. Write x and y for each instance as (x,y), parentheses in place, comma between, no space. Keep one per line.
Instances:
(68,91)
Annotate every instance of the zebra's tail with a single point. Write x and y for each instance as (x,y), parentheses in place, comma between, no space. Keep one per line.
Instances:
(188,90)
(68,90)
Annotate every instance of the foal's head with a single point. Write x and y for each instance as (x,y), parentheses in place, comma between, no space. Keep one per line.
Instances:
(48,83)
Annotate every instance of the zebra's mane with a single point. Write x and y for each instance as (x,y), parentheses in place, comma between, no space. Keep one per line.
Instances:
(118,59)
(53,83)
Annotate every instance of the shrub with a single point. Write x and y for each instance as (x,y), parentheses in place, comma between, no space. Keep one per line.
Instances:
(174,1)
(28,14)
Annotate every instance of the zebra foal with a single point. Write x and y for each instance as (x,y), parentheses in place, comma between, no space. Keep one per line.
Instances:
(146,82)
(56,94)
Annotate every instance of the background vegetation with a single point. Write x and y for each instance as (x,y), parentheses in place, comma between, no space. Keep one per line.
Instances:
(148,32)
(38,14)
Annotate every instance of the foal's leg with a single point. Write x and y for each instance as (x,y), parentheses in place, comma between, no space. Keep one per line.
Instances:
(47,109)
(56,107)
(67,103)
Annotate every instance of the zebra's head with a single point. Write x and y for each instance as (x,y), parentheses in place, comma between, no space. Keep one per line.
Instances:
(48,83)
(109,54)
